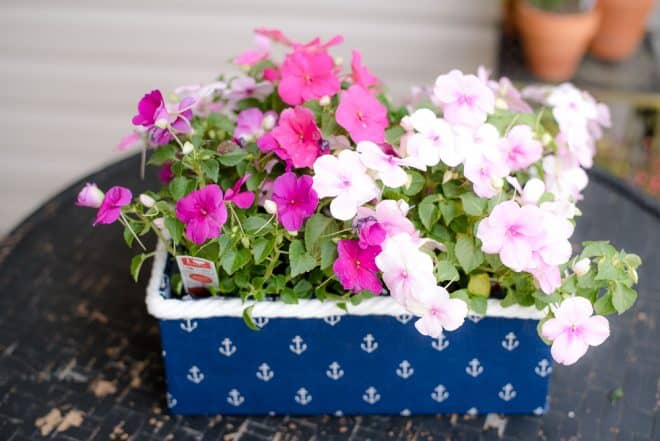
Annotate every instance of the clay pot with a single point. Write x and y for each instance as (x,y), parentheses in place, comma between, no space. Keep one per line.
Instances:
(621,29)
(554,43)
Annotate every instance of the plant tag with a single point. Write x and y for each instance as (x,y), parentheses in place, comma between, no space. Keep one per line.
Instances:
(196,273)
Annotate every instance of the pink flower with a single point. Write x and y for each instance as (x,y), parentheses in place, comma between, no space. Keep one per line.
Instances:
(254,56)
(295,198)
(548,277)
(268,143)
(356,268)
(90,196)
(465,99)
(387,167)
(370,232)
(129,141)
(247,87)
(438,311)
(391,215)
(250,124)
(165,174)
(110,208)
(573,329)
(242,199)
(564,177)
(204,213)
(205,97)
(150,108)
(307,75)
(508,97)
(434,141)
(299,136)
(359,73)
(519,147)
(362,115)
(154,114)
(484,165)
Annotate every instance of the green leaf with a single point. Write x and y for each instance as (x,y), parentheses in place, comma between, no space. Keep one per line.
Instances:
(128,236)
(449,210)
(233,158)
(623,297)
(257,223)
(461,294)
(247,318)
(632,260)
(479,284)
(608,271)
(299,259)
(163,154)
(361,296)
(452,189)
(179,187)
(136,264)
(328,252)
(315,227)
(232,259)
(479,304)
(288,296)
(468,255)
(546,299)
(393,134)
(303,289)
(473,204)
(211,169)
(262,248)
(446,271)
(415,185)
(209,251)
(599,248)
(175,227)
(603,305)
(222,122)
(428,211)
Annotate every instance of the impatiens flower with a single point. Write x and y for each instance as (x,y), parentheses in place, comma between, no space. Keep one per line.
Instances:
(268,143)
(242,199)
(465,99)
(250,124)
(362,115)
(90,196)
(110,208)
(359,73)
(433,142)
(298,135)
(129,141)
(519,147)
(438,311)
(370,232)
(247,87)
(307,75)
(573,329)
(484,165)
(547,276)
(407,271)
(507,96)
(150,108)
(386,166)
(295,198)
(564,177)
(165,174)
(204,213)
(205,97)
(344,178)
(355,267)
(391,215)
(253,56)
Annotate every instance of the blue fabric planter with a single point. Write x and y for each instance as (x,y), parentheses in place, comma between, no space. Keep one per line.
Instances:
(353,365)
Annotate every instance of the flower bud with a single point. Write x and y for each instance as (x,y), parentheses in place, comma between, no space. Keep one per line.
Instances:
(268,122)
(245,241)
(188,147)
(147,200)
(270,206)
(159,223)
(324,101)
(546,139)
(581,267)
(90,196)
(501,103)
(339,61)
(406,124)
(497,182)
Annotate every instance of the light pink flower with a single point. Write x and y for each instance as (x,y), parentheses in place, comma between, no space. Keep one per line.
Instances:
(344,178)
(299,136)
(110,208)
(438,311)
(206,97)
(391,215)
(564,177)
(242,199)
(548,277)
(295,198)
(253,56)
(247,87)
(359,73)
(355,267)
(129,141)
(387,167)
(507,97)
(362,115)
(484,165)
(433,142)
(573,329)
(249,124)
(464,99)
(307,75)
(90,196)
(519,147)
(204,213)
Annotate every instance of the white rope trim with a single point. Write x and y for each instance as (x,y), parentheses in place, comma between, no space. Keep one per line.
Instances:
(307,308)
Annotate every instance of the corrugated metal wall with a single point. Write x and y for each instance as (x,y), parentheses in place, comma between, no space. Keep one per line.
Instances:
(72,71)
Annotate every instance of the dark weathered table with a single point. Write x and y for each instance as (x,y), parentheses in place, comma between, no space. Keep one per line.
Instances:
(80,357)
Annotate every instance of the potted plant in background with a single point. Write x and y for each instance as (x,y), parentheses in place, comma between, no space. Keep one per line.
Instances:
(622,27)
(392,259)
(555,35)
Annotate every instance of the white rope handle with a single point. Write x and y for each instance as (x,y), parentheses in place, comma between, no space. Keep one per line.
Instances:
(176,309)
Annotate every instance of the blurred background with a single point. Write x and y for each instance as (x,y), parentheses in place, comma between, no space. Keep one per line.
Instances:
(73,70)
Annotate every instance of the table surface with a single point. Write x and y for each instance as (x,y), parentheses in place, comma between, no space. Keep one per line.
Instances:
(80,356)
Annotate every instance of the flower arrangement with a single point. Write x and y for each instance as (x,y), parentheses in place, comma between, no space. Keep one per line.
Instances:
(299,180)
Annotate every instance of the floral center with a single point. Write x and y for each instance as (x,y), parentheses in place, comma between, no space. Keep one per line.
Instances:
(465,100)
(308,78)
(357,262)
(203,212)
(514,231)
(292,202)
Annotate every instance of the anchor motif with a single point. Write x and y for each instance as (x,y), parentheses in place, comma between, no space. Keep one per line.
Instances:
(440,393)
(371,395)
(298,346)
(260,321)
(440,343)
(334,371)
(227,348)
(475,318)
(339,413)
(188,325)
(539,411)
(332,319)
(195,375)
(507,393)
(405,412)
(303,397)
(235,398)
(405,370)
(543,369)
(404,318)
(472,411)
(474,368)
(265,373)
(171,401)
(369,344)
(510,342)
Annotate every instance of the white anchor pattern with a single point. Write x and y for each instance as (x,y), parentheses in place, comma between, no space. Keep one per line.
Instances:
(343,365)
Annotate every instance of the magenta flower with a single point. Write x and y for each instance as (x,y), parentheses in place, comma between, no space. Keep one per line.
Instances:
(242,199)
(356,267)
(359,73)
(204,213)
(165,174)
(159,120)
(90,196)
(307,75)
(150,108)
(268,143)
(110,208)
(362,115)
(299,136)
(295,198)
(370,232)
(574,329)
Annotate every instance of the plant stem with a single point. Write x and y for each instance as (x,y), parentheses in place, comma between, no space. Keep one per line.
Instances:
(125,222)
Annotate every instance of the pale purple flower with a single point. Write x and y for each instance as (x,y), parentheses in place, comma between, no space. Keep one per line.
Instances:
(250,124)
(547,276)
(438,311)
(519,148)
(247,87)
(484,164)
(432,142)
(387,167)
(242,199)
(465,99)
(573,329)
(295,198)
(208,97)
(564,177)
(110,209)
(355,267)
(204,213)
(507,97)
(90,196)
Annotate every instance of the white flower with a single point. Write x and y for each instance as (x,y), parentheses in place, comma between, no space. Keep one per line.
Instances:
(386,166)
(564,177)
(581,267)
(344,178)
(147,200)
(438,311)
(433,142)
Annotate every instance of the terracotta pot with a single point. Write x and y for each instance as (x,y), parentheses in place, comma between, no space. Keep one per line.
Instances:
(554,43)
(622,27)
